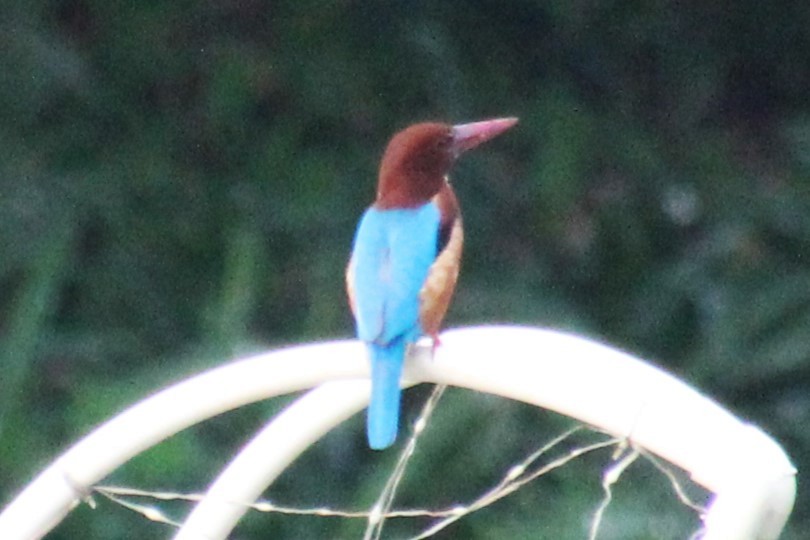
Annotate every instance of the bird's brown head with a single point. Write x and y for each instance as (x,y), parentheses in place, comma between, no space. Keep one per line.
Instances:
(418,158)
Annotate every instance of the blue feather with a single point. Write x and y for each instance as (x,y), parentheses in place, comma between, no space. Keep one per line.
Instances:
(393,251)
(383,409)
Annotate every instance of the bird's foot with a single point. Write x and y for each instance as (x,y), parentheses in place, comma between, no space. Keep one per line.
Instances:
(436,343)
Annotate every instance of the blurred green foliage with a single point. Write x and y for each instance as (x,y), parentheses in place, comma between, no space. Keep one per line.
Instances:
(180,181)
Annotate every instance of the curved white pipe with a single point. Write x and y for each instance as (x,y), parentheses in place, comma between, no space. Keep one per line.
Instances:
(750,475)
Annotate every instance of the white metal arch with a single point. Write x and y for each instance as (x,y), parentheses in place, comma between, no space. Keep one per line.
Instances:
(752,478)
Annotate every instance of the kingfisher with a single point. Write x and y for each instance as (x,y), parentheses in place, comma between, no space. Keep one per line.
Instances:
(406,254)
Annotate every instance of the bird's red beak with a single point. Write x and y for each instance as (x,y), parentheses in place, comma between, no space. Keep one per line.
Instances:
(466,136)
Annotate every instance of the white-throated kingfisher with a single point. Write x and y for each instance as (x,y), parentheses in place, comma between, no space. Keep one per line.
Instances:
(405,260)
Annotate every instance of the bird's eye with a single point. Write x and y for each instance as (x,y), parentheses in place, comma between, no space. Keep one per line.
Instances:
(443,143)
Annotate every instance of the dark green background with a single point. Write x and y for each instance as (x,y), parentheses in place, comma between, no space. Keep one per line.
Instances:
(180,181)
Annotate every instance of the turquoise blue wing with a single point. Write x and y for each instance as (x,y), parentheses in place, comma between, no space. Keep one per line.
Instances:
(393,251)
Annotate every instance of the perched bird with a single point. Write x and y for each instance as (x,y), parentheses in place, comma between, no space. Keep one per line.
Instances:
(405,260)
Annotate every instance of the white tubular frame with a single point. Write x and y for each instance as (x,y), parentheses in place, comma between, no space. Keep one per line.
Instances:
(751,477)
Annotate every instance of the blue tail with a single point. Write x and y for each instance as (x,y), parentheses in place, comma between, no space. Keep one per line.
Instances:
(383,410)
